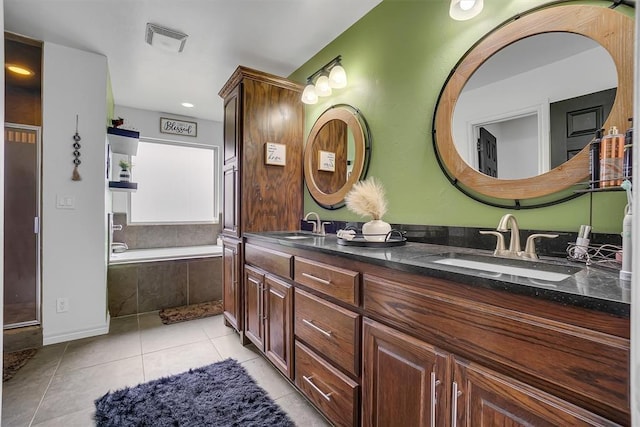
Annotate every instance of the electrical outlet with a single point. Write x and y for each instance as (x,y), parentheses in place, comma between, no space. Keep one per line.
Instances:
(62,305)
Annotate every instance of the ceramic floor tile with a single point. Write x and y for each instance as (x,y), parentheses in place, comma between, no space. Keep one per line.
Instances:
(229,346)
(301,412)
(268,377)
(97,350)
(149,320)
(76,390)
(214,326)
(82,418)
(22,394)
(179,359)
(166,336)
(59,385)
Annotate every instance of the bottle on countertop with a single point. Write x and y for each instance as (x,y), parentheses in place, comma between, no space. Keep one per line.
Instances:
(594,160)
(611,155)
(627,163)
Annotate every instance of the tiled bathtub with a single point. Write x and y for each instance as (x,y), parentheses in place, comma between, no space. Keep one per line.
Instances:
(143,280)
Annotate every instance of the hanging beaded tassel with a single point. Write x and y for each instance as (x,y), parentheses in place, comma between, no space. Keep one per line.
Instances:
(75,176)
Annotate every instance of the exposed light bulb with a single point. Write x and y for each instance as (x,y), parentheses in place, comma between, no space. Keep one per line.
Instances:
(461,10)
(337,77)
(467,4)
(309,95)
(322,86)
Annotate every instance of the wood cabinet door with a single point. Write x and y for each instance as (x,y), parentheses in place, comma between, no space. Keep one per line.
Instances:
(231,284)
(278,341)
(231,198)
(254,306)
(232,121)
(404,381)
(484,398)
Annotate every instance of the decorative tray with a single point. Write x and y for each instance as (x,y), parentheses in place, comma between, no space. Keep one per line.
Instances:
(392,238)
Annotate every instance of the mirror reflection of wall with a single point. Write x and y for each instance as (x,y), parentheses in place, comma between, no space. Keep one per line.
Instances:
(332,138)
(336,154)
(511,95)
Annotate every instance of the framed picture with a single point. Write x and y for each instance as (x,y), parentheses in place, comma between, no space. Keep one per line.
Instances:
(178,127)
(326,161)
(275,154)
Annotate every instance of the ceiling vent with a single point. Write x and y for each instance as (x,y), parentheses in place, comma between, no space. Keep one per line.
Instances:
(165,38)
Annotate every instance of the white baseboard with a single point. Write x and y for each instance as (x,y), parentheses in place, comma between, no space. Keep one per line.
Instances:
(76,335)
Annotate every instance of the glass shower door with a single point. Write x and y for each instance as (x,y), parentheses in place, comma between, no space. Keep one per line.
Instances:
(21,226)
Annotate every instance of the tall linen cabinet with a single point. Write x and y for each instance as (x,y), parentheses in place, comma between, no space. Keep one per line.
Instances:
(259,195)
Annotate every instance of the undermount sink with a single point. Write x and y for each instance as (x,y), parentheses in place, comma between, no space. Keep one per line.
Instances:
(293,235)
(528,269)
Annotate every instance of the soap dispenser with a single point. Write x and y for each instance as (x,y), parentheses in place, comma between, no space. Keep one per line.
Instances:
(611,154)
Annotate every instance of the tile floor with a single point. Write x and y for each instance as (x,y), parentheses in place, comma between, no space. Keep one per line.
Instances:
(58,386)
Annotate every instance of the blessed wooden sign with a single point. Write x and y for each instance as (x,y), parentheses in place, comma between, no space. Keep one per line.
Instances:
(178,127)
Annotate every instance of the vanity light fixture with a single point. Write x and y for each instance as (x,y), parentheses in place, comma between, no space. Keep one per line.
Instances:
(165,38)
(330,76)
(461,10)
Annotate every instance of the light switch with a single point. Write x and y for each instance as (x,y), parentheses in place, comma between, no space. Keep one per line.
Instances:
(65,202)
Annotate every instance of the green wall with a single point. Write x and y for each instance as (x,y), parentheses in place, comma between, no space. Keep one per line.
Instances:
(397,59)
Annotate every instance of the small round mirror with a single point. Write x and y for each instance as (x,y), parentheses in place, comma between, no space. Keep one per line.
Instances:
(336,154)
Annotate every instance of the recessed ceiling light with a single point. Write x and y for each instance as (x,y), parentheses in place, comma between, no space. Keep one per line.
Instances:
(18,69)
(187,104)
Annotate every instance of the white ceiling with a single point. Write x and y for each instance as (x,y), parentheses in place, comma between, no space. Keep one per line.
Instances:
(275,36)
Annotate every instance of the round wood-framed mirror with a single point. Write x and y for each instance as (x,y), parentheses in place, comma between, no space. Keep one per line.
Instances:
(336,154)
(611,29)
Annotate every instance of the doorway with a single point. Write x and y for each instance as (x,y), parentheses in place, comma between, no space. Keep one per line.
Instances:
(21,226)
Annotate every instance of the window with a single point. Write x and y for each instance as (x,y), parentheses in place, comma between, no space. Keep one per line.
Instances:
(177,183)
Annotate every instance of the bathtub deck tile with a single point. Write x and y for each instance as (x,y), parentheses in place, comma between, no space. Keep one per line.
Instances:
(122,283)
(162,285)
(205,280)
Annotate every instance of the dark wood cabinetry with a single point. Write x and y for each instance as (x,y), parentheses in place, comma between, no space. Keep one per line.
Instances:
(258,108)
(404,380)
(232,278)
(376,346)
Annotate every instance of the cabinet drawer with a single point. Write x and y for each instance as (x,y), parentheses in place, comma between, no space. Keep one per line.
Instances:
(332,392)
(332,330)
(336,282)
(272,261)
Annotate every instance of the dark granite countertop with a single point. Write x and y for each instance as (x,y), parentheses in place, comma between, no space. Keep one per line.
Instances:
(594,288)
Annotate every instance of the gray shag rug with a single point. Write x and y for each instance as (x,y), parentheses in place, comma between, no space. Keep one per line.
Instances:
(221,394)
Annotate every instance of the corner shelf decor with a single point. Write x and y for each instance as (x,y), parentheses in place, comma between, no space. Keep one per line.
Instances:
(123,186)
(123,141)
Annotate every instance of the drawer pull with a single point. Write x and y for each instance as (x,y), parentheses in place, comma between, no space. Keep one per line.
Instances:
(317,279)
(326,396)
(322,331)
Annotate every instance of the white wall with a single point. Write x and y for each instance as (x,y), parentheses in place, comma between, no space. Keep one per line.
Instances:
(148,124)
(522,92)
(74,256)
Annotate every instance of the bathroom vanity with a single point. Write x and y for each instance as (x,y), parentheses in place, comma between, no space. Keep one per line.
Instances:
(388,336)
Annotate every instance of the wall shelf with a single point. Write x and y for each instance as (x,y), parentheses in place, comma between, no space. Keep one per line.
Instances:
(123,186)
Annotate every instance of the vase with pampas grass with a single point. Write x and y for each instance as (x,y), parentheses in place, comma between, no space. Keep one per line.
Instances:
(367,199)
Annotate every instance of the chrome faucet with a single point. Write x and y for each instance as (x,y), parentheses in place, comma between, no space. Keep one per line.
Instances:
(318,226)
(509,222)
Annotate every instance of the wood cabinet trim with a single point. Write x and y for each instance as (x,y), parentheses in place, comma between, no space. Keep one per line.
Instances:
(243,72)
